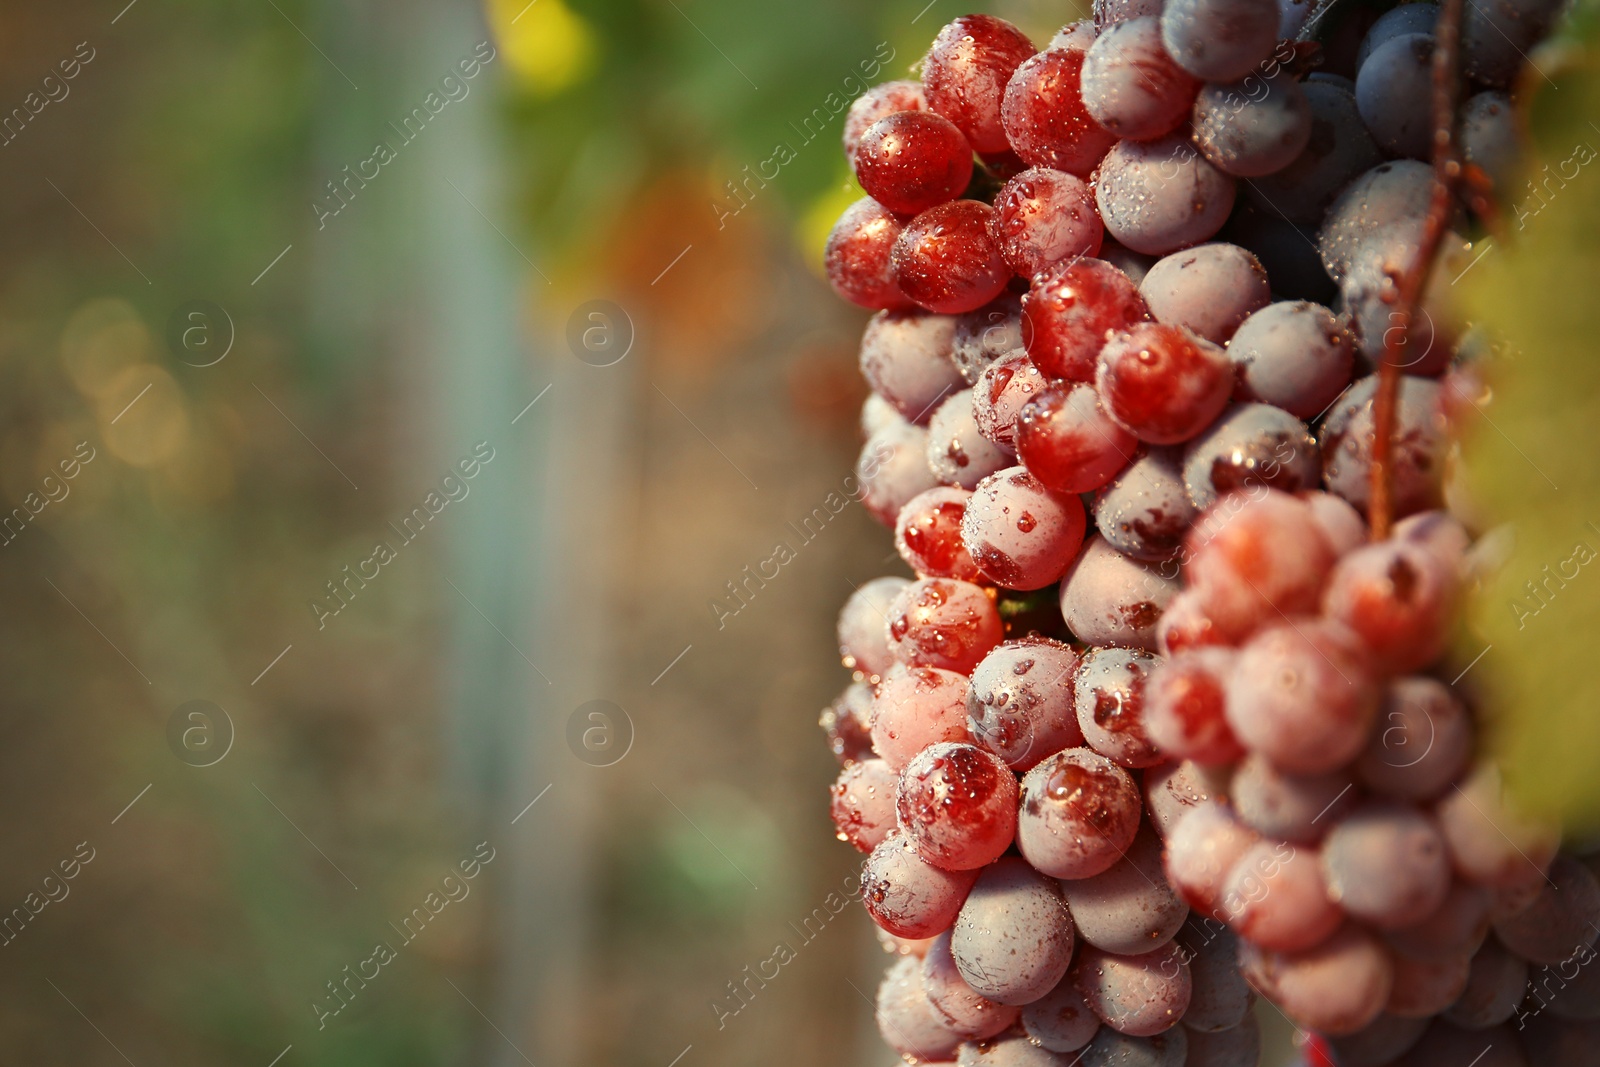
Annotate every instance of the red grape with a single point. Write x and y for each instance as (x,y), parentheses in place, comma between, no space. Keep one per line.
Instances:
(945,260)
(1045,118)
(911,161)
(958,805)
(928,534)
(1185,707)
(1068,442)
(863,803)
(1163,383)
(1072,310)
(857,256)
(1080,812)
(1019,533)
(941,622)
(965,73)
(1044,216)
(876,103)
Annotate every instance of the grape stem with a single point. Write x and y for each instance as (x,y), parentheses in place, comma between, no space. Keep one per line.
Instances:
(1447,174)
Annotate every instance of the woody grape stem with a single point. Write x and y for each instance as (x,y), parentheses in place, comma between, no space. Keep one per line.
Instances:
(1412,283)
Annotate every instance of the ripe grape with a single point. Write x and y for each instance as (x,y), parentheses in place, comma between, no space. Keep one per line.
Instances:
(928,534)
(969,1014)
(1019,704)
(1444,1045)
(1071,310)
(1495,987)
(915,707)
(1003,390)
(876,103)
(1202,850)
(1159,196)
(1337,988)
(905,358)
(1255,558)
(1210,289)
(1108,598)
(1378,1043)
(907,895)
(1108,689)
(1219,40)
(1067,441)
(1254,127)
(1496,36)
(878,414)
(1129,908)
(1294,355)
(1187,624)
(1338,149)
(1145,511)
(1340,523)
(863,645)
(1163,383)
(957,805)
(1185,707)
(1420,17)
(1457,927)
(1009,1050)
(1287,806)
(1561,921)
(1108,13)
(893,468)
(1060,1021)
(1276,897)
(1131,87)
(1420,440)
(965,73)
(984,335)
(1014,937)
(1393,94)
(1172,790)
(1134,264)
(1385,204)
(1251,447)
(907,1020)
(1387,865)
(857,256)
(958,454)
(945,260)
(863,803)
(1424,988)
(1042,217)
(1224,1048)
(940,622)
(1222,997)
(1112,1049)
(1079,814)
(910,161)
(1140,996)
(1490,842)
(1019,533)
(846,722)
(1045,117)
(1074,36)
(1490,137)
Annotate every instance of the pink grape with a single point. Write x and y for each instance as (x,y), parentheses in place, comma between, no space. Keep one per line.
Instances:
(969,1014)
(1302,695)
(1144,511)
(915,707)
(910,161)
(1019,705)
(1140,996)
(1070,312)
(1294,355)
(892,469)
(847,722)
(876,103)
(1423,989)
(1399,598)
(958,454)
(1045,118)
(1563,920)
(1222,998)
(1014,937)
(1337,988)
(863,645)
(1108,689)
(1129,908)
(1290,807)
(1422,744)
(1340,523)
(1186,625)
(940,622)
(1250,447)
(1185,712)
(1457,927)
(1387,865)
(1491,843)
(1420,441)
(1159,196)
(1276,896)
(965,73)
(1202,850)
(1108,598)
(928,534)
(1020,534)
(945,261)
(1163,383)
(1003,390)
(1080,812)
(1210,289)
(1060,1021)
(1044,216)
(1495,986)
(878,414)
(1131,86)
(1224,1048)
(907,1020)
(1172,790)
(958,805)
(863,803)
(905,358)
(907,895)
(857,256)
(1066,439)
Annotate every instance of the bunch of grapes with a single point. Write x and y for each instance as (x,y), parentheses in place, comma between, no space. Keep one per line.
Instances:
(1161,724)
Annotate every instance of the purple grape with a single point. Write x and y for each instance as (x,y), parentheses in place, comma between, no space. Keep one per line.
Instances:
(1387,865)
(958,454)
(1210,288)
(1294,355)
(967,1013)
(1393,92)
(1131,86)
(1222,998)
(983,336)
(1159,196)
(1108,689)
(1286,806)
(1339,149)
(1140,996)
(1254,127)
(1386,204)
(1490,137)
(907,1020)
(1287,250)
(1379,1043)
(1423,742)
(1108,598)
(1225,1048)
(1497,35)
(1145,511)
(1013,940)
(905,358)
(1424,988)
(1252,446)
(1420,441)
(1019,705)
(1112,1049)
(1562,921)
(1079,814)
(1060,1020)
(1443,1045)
(907,895)
(892,469)
(1456,928)
(863,645)
(1495,987)
(1417,17)
(1128,909)
(1220,40)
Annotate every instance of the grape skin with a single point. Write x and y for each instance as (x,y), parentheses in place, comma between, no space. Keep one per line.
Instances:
(1419,17)
(905,358)
(1019,704)
(863,646)
(1140,996)
(1128,909)
(1387,864)
(1294,355)
(1496,36)
(1020,534)
(958,454)
(1287,249)
(1490,137)
(906,1019)
(1073,37)
(1385,204)
(1399,598)
(1004,389)
(1340,523)
(1423,989)
(945,260)
(1210,289)
(1185,707)
(908,896)
(1490,843)
(928,534)
(1163,383)
(1060,1021)
(878,414)
(1219,40)
(1254,127)
(1202,850)
(1145,510)
(1443,1045)
(1159,196)
(957,805)
(1338,149)
(910,161)
(965,73)
(1045,117)
(1393,94)
(1131,87)
(863,803)
(1014,937)
(916,707)
(1079,814)
(964,1011)
(1068,442)
(1249,447)
(1108,598)
(1068,312)
(1013,1050)
(1337,988)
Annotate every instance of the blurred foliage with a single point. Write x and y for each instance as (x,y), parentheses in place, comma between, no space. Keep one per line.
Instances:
(1530,450)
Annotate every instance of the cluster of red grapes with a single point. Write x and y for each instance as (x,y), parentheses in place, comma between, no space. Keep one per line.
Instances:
(1157,727)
